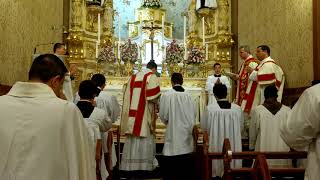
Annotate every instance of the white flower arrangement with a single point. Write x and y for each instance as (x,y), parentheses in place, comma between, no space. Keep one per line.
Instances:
(129,52)
(196,55)
(107,55)
(174,53)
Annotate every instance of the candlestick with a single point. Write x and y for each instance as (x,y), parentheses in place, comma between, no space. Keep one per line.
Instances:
(97,51)
(207,52)
(185,37)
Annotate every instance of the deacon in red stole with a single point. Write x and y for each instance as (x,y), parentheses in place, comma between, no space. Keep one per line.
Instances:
(138,120)
(266,73)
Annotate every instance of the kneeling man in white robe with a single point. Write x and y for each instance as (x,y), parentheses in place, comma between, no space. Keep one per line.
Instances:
(97,119)
(223,120)
(264,128)
(178,112)
(43,136)
(138,120)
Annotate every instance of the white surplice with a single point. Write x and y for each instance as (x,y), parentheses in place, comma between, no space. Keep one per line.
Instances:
(265,133)
(178,111)
(110,104)
(67,88)
(211,80)
(98,122)
(301,130)
(42,136)
(221,124)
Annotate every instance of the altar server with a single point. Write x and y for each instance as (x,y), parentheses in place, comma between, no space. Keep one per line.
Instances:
(222,120)
(178,112)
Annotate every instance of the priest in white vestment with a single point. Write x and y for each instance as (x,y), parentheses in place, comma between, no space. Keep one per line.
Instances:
(223,120)
(178,112)
(265,127)
(41,135)
(217,78)
(138,120)
(94,115)
(268,72)
(301,129)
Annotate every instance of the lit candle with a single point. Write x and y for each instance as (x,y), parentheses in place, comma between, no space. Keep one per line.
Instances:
(99,24)
(119,36)
(207,52)
(203,32)
(228,53)
(218,53)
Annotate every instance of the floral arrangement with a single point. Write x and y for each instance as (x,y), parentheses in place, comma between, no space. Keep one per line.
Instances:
(196,55)
(151,4)
(129,52)
(107,55)
(174,53)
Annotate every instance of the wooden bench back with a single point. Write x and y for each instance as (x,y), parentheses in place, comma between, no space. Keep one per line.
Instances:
(260,168)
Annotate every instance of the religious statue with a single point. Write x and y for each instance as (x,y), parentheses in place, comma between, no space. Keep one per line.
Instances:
(108,18)
(76,14)
(192,17)
(206,4)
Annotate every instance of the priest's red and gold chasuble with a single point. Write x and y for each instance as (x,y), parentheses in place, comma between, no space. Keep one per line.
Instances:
(138,114)
(268,72)
(243,80)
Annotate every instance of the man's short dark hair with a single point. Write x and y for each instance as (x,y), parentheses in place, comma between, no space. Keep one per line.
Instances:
(216,64)
(87,89)
(265,48)
(57,46)
(177,78)
(270,92)
(99,79)
(47,66)
(220,91)
(151,65)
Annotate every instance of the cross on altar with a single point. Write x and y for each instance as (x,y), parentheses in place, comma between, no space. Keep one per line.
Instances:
(151,29)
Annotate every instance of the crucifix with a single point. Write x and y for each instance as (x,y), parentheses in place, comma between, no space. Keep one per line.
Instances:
(151,29)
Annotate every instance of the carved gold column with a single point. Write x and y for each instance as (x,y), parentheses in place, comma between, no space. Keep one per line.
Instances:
(108,16)
(75,38)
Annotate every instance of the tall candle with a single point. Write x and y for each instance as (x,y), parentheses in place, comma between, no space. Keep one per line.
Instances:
(162,30)
(119,36)
(99,24)
(185,37)
(203,32)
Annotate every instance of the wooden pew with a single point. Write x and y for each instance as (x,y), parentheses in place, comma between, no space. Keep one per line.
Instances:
(4,89)
(260,168)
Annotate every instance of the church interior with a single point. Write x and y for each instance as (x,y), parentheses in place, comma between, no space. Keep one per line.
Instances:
(117,38)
